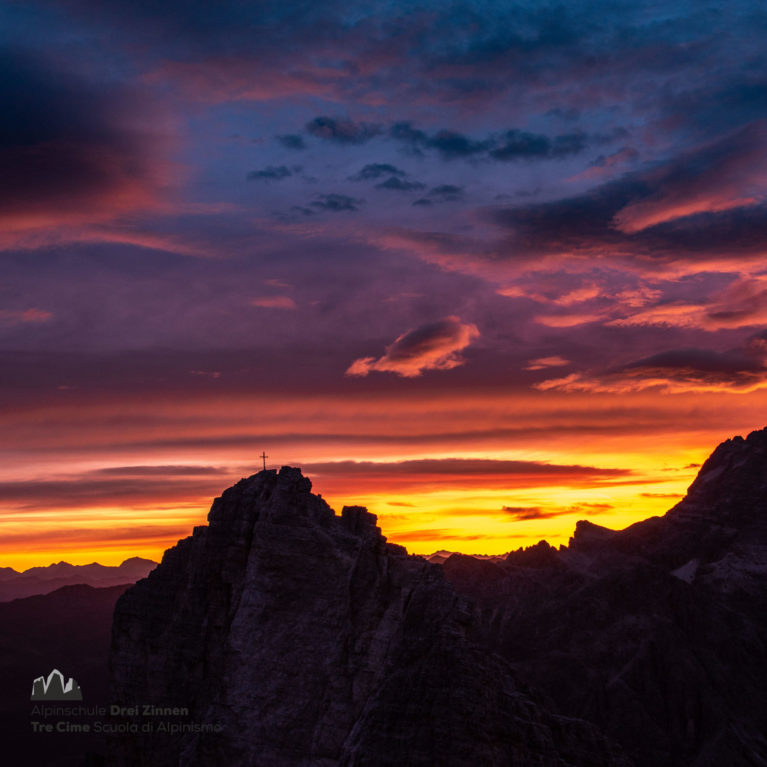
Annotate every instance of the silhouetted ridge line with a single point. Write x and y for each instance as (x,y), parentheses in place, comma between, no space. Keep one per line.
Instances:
(311,640)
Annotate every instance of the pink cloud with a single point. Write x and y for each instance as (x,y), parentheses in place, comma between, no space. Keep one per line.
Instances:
(435,346)
(710,179)
(676,371)
(24,316)
(605,166)
(567,320)
(742,304)
(274,302)
(546,362)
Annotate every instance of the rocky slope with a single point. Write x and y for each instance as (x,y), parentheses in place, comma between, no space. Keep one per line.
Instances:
(656,633)
(312,641)
(68,629)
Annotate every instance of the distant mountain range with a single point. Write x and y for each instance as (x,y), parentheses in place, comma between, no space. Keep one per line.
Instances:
(43,580)
(441,556)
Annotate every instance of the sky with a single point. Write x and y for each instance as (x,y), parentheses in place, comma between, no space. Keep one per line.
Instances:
(487,268)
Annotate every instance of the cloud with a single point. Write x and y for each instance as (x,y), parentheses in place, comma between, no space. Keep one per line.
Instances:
(447,143)
(677,370)
(728,173)
(274,302)
(523,513)
(743,303)
(291,141)
(376,170)
(435,346)
(446,193)
(336,203)
(568,320)
(425,473)
(521,145)
(270,173)
(333,203)
(93,490)
(396,184)
(24,316)
(163,471)
(705,207)
(605,164)
(546,362)
(342,130)
(442,193)
(507,146)
(526,513)
(68,155)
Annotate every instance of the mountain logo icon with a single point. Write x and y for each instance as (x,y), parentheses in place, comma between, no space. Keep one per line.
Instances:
(54,688)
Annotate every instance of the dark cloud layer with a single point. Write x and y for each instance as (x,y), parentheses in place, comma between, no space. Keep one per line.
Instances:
(694,207)
(65,151)
(397,184)
(376,170)
(270,173)
(442,193)
(291,141)
(527,513)
(678,370)
(342,130)
(508,146)
(91,492)
(337,203)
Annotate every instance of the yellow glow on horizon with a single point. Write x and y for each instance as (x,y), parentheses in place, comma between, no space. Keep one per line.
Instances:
(457,513)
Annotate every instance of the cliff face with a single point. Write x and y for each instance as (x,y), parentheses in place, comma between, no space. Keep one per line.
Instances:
(312,641)
(315,642)
(656,633)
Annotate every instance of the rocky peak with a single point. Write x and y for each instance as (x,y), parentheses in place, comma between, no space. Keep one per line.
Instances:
(311,640)
(725,508)
(733,480)
(587,534)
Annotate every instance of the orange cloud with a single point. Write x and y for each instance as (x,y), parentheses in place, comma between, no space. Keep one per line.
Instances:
(23,316)
(435,346)
(567,320)
(546,362)
(274,302)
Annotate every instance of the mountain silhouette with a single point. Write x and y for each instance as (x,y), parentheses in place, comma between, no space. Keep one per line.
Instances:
(44,580)
(311,640)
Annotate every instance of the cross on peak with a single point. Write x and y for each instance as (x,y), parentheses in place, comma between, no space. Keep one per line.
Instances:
(263,457)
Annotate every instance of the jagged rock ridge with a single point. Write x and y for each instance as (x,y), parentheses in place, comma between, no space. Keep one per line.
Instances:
(317,643)
(655,633)
(313,641)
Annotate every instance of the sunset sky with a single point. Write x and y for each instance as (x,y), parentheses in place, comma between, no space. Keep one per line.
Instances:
(487,268)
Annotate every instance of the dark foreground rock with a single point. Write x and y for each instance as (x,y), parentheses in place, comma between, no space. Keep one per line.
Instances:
(68,629)
(656,633)
(309,640)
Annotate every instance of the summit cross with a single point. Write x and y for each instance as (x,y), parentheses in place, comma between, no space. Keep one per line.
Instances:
(263,457)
